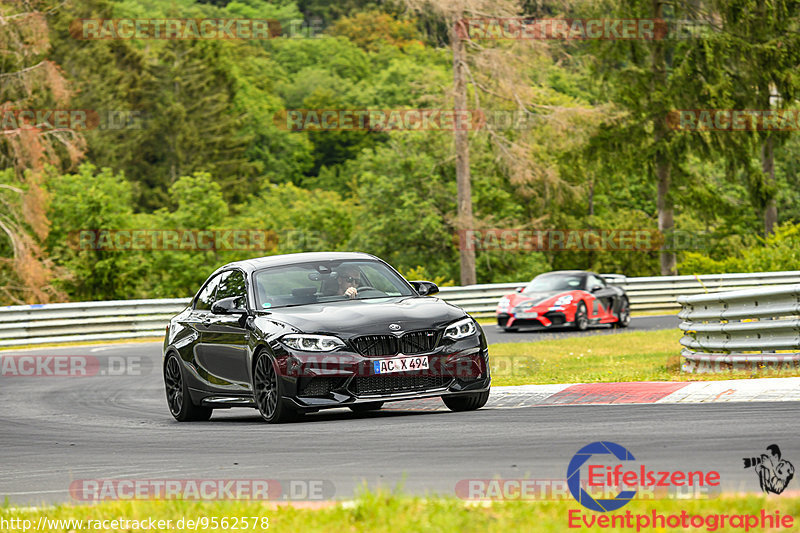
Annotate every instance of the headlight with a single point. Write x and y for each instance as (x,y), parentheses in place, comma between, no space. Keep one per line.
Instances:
(312,343)
(564,300)
(459,330)
(525,307)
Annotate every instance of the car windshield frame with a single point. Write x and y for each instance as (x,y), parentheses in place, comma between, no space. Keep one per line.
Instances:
(529,288)
(326,286)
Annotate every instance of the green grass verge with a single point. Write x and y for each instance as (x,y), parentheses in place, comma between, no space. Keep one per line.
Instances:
(383,512)
(624,356)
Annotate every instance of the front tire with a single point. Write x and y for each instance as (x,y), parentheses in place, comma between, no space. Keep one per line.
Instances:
(178,398)
(268,392)
(466,402)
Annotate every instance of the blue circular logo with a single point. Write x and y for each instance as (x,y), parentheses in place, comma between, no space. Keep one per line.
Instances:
(574,476)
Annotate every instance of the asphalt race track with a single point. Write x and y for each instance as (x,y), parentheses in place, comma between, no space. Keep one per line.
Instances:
(56,430)
(495,334)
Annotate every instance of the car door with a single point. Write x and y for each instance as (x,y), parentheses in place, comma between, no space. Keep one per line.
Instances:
(603,294)
(222,351)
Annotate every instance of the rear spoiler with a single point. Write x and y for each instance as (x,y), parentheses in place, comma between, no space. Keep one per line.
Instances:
(614,278)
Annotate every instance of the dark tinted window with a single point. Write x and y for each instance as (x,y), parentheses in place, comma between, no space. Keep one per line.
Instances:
(555,282)
(206,296)
(593,281)
(326,281)
(232,285)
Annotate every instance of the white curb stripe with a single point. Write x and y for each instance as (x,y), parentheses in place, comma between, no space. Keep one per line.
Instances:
(737,390)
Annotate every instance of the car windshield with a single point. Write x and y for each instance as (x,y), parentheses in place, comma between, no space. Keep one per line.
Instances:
(327,281)
(554,282)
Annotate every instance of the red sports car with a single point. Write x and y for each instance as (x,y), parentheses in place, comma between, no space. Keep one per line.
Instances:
(564,298)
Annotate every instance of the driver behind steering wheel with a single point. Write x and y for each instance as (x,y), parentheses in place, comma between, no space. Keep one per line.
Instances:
(349,279)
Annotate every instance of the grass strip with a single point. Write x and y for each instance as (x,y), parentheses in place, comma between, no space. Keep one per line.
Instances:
(378,512)
(619,356)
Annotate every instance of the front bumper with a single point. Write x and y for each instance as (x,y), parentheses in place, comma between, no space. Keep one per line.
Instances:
(313,381)
(539,318)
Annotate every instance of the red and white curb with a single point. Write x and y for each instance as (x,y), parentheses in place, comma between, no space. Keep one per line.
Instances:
(642,392)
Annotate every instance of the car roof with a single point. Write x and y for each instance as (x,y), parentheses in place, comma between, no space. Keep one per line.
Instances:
(566,272)
(257,263)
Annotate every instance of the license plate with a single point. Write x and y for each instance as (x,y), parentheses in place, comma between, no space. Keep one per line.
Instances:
(401,364)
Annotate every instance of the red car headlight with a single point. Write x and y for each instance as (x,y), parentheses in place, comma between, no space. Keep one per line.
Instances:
(563,300)
(528,308)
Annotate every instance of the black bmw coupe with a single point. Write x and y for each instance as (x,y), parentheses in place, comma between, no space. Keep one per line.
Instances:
(293,334)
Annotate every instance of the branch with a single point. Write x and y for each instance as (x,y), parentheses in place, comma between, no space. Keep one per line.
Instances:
(10,188)
(20,72)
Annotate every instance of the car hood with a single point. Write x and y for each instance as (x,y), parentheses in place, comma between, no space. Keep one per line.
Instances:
(368,317)
(536,297)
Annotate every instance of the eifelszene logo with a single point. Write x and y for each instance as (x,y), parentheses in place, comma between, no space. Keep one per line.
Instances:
(603,480)
(574,476)
(774,473)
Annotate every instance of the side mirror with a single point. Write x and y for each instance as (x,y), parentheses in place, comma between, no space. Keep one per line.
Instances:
(425,288)
(597,288)
(520,289)
(229,306)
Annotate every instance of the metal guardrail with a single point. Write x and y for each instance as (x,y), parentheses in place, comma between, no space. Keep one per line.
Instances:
(656,293)
(742,330)
(125,319)
(86,321)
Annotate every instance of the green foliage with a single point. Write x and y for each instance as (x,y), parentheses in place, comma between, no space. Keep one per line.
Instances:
(420,273)
(92,199)
(405,197)
(303,220)
(205,148)
(98,200)
(371,29)
(778,252)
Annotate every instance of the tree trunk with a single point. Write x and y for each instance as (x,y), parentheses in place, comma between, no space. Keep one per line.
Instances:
(662,165)
(464,217)
(666,222)
(768,167)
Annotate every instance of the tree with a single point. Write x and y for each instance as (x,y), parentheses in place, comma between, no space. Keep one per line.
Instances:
(29,81)
(647,79)
(92,199)
(757,48)
(502,77)
(372,29)
(190,124)
(454,13)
